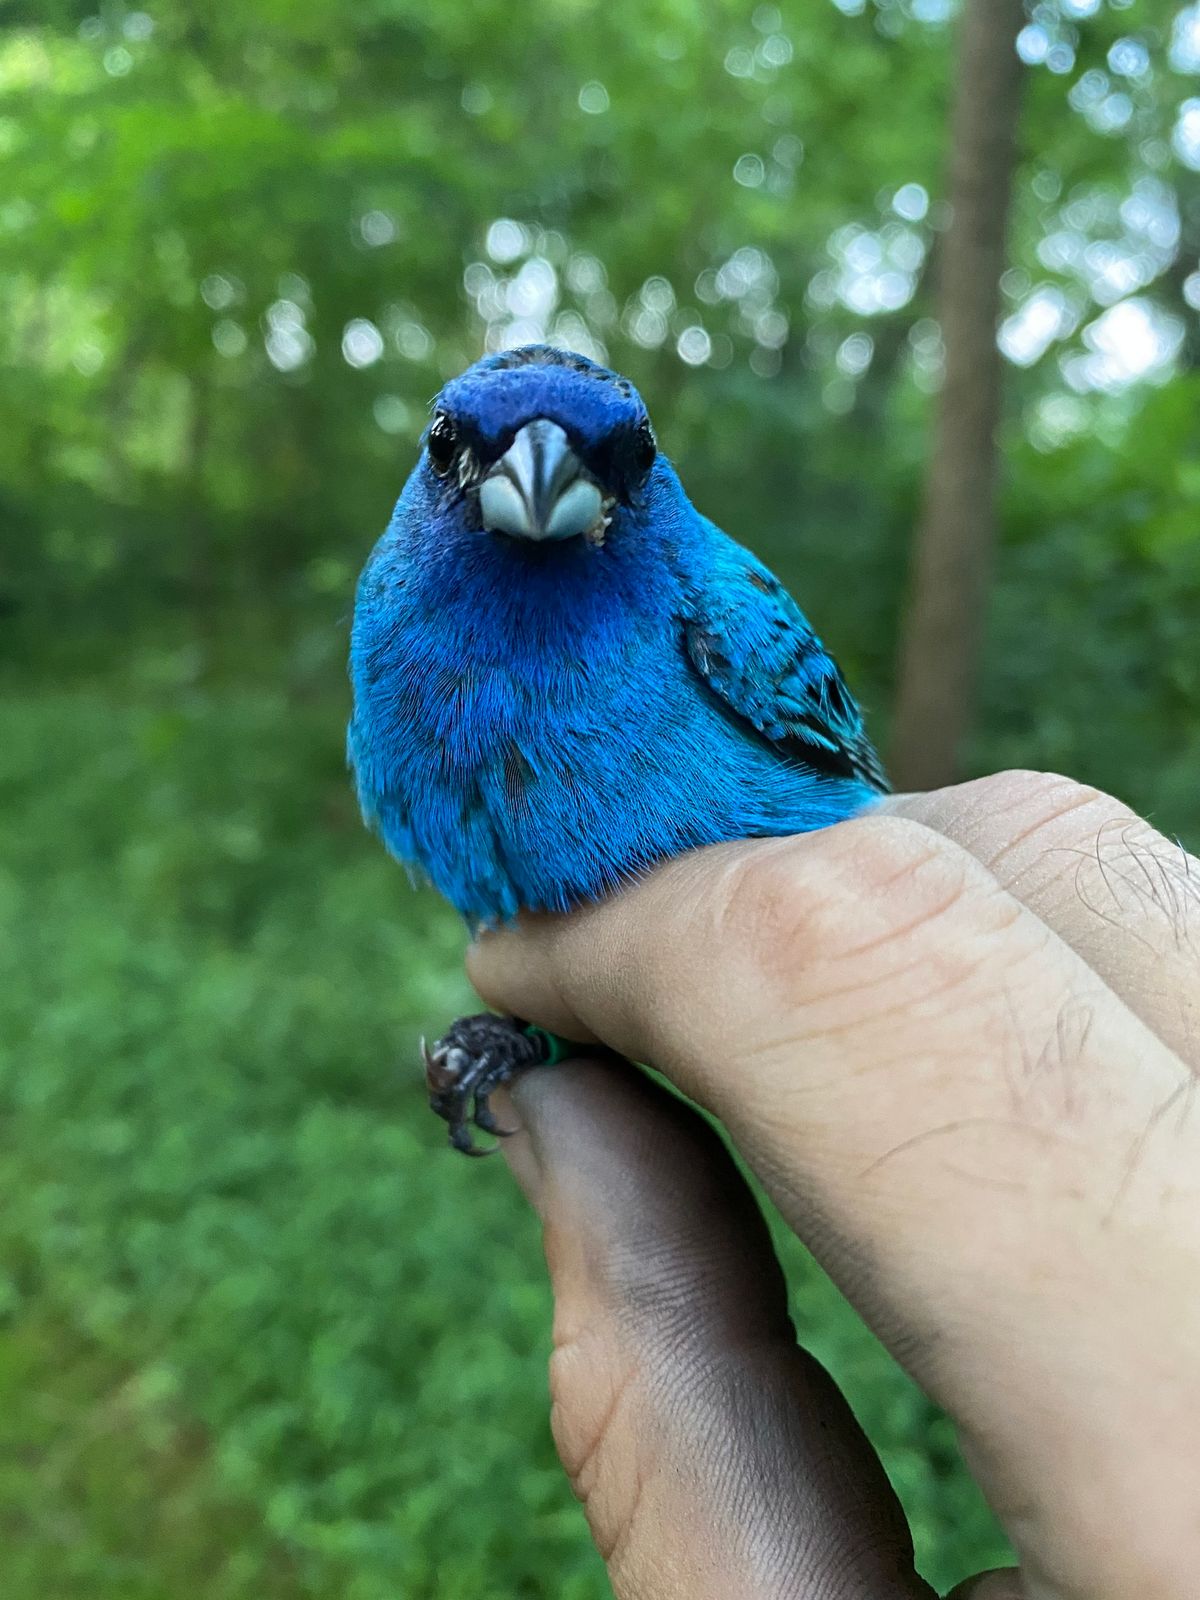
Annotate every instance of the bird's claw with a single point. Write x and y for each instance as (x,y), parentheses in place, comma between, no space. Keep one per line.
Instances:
(467,1065)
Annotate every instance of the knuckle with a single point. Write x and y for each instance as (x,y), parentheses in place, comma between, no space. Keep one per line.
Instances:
(1043,796)
(1062,838)
(1020,812)
(854,886)
(594,1394)
(764,897)
(584,1422)
(1032,781)
(888,856)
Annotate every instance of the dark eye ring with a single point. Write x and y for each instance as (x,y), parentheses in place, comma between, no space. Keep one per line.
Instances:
(442,444)
(645,447)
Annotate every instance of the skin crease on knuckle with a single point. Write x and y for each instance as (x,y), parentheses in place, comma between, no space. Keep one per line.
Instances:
(867,945)
(727,1459)
(606,1455)
(788,923)
(872,884)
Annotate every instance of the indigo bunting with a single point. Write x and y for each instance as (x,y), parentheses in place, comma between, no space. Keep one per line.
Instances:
(564,673)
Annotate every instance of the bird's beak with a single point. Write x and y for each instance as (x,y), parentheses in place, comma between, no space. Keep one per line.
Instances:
(539,489)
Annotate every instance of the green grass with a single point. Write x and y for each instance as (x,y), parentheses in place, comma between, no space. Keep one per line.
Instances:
(261,1337)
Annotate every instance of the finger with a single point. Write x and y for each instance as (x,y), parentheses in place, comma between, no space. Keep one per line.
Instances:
(1123,896)
(714,1459)
(982,1143)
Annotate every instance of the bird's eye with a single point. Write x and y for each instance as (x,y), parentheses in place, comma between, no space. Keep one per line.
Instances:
(442,444)
(645,447)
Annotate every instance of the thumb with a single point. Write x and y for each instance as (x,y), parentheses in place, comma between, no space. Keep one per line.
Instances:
(714,1459)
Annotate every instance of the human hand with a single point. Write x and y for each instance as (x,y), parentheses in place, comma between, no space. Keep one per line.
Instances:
(957,1040)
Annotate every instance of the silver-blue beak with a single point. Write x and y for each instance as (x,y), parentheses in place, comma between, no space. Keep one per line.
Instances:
(539,489)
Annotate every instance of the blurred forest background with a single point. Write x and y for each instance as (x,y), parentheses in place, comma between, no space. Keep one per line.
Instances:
(260,1337)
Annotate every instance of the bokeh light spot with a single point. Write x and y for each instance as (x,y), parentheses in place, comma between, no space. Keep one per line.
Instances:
(506,240)
(1185,40)
(217,291)
(377,228)
(391,414)
(593,98)
(1129,58)
(229,338)
(749,171)
(694,345)
(854,354)
(362,343)
(1033,44)
(775,50)
(476,99)
(911,201)
(1134,341)
(1044,317)
(289,345)
(1186,137)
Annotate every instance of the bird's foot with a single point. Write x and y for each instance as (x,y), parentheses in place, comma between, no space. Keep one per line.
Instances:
(470,1062)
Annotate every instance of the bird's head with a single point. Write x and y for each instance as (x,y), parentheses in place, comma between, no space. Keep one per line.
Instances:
(538,445)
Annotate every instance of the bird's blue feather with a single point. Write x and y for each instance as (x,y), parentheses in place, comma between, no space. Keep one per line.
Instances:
(749,640)
(534,725)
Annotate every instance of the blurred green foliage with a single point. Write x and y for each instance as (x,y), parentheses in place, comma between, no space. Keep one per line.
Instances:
(259,1336)
(260,1333)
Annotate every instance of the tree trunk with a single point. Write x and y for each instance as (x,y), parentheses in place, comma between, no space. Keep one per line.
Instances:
(952,557)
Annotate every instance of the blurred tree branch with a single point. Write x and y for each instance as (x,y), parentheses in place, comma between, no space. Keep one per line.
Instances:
(944,622)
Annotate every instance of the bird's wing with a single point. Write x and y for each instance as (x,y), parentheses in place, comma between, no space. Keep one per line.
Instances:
(754,647)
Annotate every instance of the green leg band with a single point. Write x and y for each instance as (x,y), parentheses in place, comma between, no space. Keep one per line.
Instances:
(557,1048)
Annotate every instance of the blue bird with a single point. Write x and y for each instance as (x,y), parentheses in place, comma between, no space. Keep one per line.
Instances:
(564,673)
